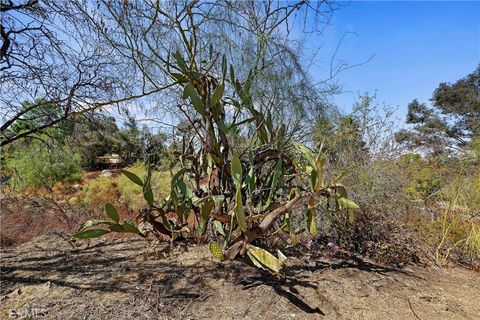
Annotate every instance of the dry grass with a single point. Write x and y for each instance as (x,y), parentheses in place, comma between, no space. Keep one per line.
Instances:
(127,279)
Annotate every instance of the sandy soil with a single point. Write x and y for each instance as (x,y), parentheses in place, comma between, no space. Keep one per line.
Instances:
(127,279)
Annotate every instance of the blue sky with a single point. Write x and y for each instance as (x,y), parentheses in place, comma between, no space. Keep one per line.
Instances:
(416,45)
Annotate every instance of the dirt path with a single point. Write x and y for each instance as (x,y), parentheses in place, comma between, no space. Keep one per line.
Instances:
(123,279)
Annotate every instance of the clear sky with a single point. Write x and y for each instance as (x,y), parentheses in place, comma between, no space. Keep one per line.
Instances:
(416,45)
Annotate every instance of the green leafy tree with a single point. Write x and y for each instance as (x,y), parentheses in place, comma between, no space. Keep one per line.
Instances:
(452,121)
(33,165)
(341,138)
(94,136)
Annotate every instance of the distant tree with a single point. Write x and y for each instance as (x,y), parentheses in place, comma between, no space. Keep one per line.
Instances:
(461,101)
(92,136)
(452,121)
(131,140)
(341,137)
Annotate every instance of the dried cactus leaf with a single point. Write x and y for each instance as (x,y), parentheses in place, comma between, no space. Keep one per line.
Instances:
(281,257)
(265,258)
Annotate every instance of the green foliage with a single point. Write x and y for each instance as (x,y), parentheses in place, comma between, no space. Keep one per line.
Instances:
(98,192)
(340,137)
(241,198)
(129,195)
(97,135)
(39,113)
(85,231)
(94,136)
(424,177)
(33,165)
(450,123)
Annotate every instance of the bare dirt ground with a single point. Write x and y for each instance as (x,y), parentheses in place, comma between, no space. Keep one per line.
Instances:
(128,279)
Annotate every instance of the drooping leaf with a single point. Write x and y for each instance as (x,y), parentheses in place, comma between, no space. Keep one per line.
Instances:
(311,218)
(180,78)
(217,94)
(320,164)
(313,179)
(269,122)
(250,181)
(216,250)
(236,168)
(197,102)
(148,195)
(218,226)
(116,228)
(91,223)
(224,67)
(207,209)
(94,233)
(177,176)
(307,154)
(201,228)
(265,258)
(210,52)
(130,227)
(262,134)
(112,212)
(180,62)
(347,203)
(133,177)
(239,210)
(277,174)
(232,74)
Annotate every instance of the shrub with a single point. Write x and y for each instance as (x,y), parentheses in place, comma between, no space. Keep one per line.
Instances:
(129,194)
(425,178)
(35,166)
(98,192)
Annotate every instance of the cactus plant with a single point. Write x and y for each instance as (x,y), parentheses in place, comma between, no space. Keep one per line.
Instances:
(238,195)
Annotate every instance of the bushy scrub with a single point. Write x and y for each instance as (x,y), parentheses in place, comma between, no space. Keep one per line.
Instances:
(461,217)
(424,178)
(129,194)
(98,192)
(35,166)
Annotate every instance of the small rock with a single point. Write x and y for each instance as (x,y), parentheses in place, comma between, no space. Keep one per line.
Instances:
(106,173)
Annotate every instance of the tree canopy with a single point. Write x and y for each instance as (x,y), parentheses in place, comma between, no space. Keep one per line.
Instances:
(450,123)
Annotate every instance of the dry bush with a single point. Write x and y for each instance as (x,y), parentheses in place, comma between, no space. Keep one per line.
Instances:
(25,217)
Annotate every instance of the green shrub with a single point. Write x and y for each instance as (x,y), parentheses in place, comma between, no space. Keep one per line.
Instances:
(98,192)
(129,194)
(424,177)
(34,166)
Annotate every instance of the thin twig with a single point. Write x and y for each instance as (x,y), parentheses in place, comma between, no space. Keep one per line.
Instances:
(410,305)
